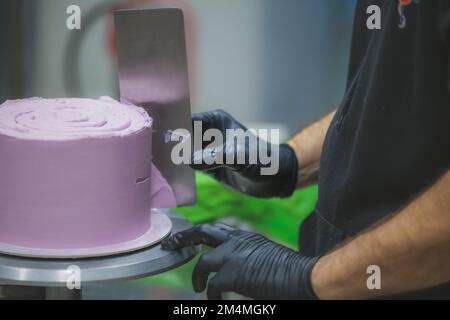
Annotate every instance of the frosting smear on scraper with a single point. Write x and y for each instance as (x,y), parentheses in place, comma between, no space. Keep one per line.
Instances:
(162,193)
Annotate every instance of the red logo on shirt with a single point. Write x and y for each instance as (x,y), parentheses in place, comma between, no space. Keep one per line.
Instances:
(402,4)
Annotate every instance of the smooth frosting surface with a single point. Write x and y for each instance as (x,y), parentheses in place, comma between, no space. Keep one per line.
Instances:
(70,119)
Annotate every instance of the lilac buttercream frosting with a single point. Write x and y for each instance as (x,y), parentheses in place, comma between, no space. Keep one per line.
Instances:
(76,173)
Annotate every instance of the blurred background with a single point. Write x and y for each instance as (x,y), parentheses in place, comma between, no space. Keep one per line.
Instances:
(272,63)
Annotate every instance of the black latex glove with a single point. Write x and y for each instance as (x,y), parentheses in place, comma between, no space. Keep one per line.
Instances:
(246,177)
(246,263)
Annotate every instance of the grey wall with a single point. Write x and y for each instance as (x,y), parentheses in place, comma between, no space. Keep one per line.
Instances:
(281,61)
(230,57)
(96,69)
(305,52)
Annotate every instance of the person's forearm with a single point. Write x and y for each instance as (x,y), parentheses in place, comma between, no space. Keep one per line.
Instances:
(308,144)
(411,248)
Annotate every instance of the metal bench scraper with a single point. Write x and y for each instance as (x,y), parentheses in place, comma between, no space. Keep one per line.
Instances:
(153,74)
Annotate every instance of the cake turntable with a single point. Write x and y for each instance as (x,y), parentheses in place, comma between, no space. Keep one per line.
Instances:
(53,274)
(160,227)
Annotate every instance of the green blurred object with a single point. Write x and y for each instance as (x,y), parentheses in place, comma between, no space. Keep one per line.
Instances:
(279,219)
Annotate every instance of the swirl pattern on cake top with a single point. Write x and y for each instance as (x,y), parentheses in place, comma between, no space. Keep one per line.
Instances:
(70,119)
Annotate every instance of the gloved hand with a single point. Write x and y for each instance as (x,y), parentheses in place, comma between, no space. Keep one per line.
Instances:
(246,263)
(246,177)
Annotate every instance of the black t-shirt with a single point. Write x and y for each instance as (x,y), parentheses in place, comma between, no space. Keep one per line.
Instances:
(390,138)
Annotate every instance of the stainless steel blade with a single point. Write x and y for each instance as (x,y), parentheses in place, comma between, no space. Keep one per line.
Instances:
(153,74)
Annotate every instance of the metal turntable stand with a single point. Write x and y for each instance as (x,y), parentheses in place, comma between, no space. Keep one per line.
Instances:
(52,274)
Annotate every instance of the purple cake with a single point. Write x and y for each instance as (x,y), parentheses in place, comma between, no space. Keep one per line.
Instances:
(76,173)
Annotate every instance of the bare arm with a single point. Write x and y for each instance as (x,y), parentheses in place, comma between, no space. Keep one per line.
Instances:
(307,145)
(411,248)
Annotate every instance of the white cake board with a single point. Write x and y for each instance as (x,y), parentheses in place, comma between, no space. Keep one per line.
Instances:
(160,227)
